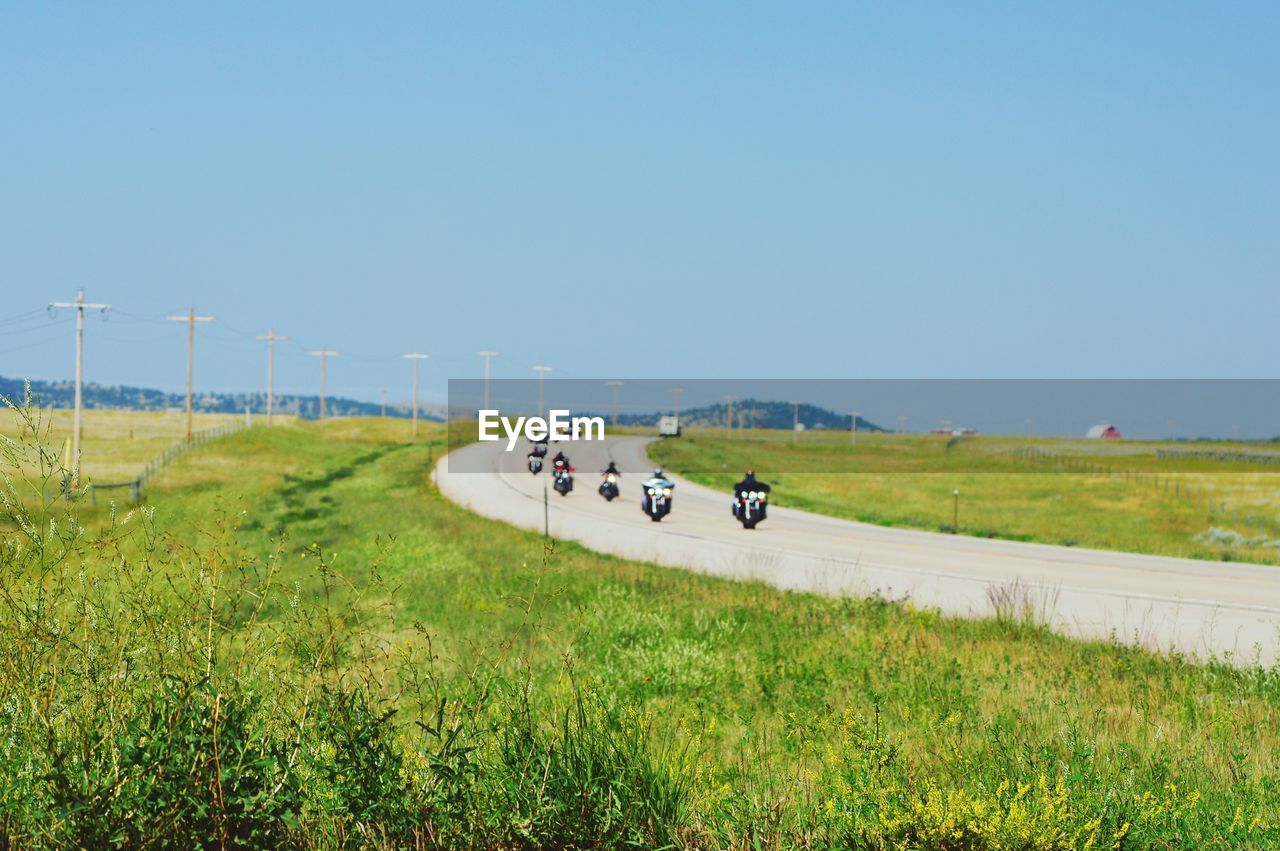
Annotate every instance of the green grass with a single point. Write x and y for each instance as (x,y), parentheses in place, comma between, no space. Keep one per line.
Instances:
(116,445)
(897,480)
(395,670)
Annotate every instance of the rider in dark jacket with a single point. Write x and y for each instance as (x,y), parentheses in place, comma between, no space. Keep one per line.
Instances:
(748,484)
(612,468)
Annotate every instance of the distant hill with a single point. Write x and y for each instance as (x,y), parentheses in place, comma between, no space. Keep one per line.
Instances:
(61,394)
(754,413)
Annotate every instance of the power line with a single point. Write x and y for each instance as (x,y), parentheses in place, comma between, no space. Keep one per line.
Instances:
(488,360)
(542,375)
(417,358)
(79,306)
(271,338)
(615,384)
(191,319)
(324,355)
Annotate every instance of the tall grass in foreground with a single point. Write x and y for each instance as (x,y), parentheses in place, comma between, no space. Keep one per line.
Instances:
(176,694)
(160,691)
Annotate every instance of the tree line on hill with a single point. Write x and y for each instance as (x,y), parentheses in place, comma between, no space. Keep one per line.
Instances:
(751,413)
(754,413)
(61,394)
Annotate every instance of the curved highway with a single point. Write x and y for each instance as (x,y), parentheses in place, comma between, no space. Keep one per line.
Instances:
(1196,607)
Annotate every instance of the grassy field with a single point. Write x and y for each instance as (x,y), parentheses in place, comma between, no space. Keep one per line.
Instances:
(116,445)
(1113,495)
(305,646)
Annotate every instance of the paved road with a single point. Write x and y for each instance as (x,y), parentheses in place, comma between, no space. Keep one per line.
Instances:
(1193,606)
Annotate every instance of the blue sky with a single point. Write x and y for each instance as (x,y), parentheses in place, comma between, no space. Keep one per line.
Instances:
(889,190)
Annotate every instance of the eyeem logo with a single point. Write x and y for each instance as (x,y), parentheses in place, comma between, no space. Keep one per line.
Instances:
(561,426)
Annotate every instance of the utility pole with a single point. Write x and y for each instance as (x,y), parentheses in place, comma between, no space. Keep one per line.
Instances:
(271,338)
(488,360)
(795,420)
(1028,426)
(542,374)
(615,384)
(191,319)
(79,305)
(902,424)
(853,427)
(675,392)
(728,416)
(324,355)
(416,357)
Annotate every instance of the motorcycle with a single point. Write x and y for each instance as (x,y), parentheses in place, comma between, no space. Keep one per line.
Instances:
(656,499)
(535,464)
(609,487)
(564,480)
(749,507)
(539,449)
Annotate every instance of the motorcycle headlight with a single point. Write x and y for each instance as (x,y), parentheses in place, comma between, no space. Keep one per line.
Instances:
(666,491)
(650,491)
(762,496)
(752,495)
(612,478)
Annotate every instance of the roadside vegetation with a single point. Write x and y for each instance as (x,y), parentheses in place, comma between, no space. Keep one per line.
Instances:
(303,645)
(1112,495)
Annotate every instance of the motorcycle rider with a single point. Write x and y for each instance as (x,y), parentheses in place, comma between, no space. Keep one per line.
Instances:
(560,462)
(750,483)
(612,469)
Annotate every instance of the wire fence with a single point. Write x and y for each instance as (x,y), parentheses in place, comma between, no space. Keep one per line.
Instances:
(156,465)
(1171,484)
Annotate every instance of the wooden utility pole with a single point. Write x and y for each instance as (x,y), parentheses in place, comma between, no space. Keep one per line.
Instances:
(270,338)
(615,384)
(79,305)
(795,420)
(416,357)
(542,375)
(324,355)
(853,427)
(676,391)
(728,417)
(488,363)
(191,319)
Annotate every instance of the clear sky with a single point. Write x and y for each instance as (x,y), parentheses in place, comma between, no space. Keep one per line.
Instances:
(862,190)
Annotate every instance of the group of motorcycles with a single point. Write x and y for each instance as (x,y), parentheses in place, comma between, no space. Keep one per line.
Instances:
(750,496)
